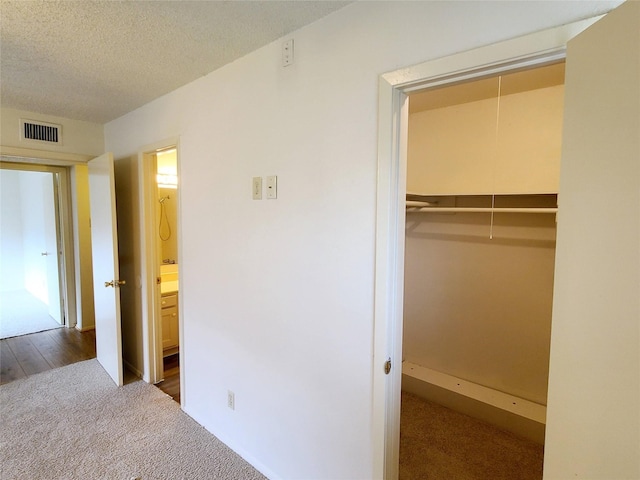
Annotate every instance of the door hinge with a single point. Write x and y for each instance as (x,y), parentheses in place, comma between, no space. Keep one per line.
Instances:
(387,366)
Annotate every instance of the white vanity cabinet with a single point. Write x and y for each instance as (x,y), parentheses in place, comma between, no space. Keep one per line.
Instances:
(170,338)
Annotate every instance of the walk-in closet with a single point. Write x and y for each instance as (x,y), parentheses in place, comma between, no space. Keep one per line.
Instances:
(483,163)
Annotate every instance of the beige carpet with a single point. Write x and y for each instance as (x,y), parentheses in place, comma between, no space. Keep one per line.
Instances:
(74,423)
(437,443)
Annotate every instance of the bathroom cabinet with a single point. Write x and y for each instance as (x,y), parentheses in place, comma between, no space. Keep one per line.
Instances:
(170,338)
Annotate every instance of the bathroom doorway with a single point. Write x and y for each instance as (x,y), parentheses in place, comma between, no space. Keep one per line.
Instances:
(160,282)
(167,228)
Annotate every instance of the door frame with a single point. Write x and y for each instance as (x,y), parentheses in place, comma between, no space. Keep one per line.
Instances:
(149,268)
(64,230)
(394,87)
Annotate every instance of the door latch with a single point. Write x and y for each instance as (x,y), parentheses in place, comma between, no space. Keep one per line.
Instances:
(387,366)
(115,283)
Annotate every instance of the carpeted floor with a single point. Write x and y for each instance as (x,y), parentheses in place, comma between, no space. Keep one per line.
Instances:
(22,313)
(437,443)
(74,423)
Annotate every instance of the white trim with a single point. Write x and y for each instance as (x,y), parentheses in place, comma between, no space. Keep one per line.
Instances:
(85,329)
(393,114)
(519,52)
(66,239)
(41,157)
(534,49)
(488,396)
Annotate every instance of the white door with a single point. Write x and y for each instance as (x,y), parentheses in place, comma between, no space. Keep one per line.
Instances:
(52,252)
(593,414)
(106,282)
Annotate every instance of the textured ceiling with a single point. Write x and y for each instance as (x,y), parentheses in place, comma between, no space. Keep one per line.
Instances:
(97,60)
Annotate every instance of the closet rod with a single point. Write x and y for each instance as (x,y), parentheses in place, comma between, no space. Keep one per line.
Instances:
(421,203)
(423,209)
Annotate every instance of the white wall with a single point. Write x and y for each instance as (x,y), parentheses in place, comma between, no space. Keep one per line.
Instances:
(36,202)
(478,308)
(78,137)
(277,295)
(459,149)
(11,248)
(28,228)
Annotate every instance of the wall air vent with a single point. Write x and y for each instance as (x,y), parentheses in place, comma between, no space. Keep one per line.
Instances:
(41,131)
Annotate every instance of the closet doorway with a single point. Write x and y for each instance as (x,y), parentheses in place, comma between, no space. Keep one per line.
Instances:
(483,160)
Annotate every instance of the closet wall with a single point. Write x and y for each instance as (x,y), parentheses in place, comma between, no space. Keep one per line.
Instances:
(478,287)
(497,135)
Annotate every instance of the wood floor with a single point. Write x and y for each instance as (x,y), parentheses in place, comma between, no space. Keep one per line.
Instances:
(38,352)
(171,383)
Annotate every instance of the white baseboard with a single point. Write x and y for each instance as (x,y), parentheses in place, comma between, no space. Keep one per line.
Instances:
(132,369)
(511,413)
(250,459)
(85,329)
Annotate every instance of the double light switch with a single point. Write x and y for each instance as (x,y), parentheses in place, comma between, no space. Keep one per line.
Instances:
(272,187)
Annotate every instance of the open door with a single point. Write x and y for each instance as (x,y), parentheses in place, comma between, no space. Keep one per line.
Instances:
(53,251)
(106,282)
(593,416)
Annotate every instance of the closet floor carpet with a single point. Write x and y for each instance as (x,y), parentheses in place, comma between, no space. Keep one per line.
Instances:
(437,443)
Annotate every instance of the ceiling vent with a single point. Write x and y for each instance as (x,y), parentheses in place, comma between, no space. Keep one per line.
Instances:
(41,131)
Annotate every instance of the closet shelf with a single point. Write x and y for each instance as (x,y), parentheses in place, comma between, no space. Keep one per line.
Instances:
(427,209)
(529,203)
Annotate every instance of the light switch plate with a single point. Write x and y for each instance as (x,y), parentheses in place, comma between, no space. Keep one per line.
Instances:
(256,188)
(272,187)
(287,53)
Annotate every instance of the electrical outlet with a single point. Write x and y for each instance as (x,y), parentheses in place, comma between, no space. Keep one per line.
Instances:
(256,188)
(231,400)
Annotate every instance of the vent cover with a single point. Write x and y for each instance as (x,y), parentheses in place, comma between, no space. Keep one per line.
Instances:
(40,131)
